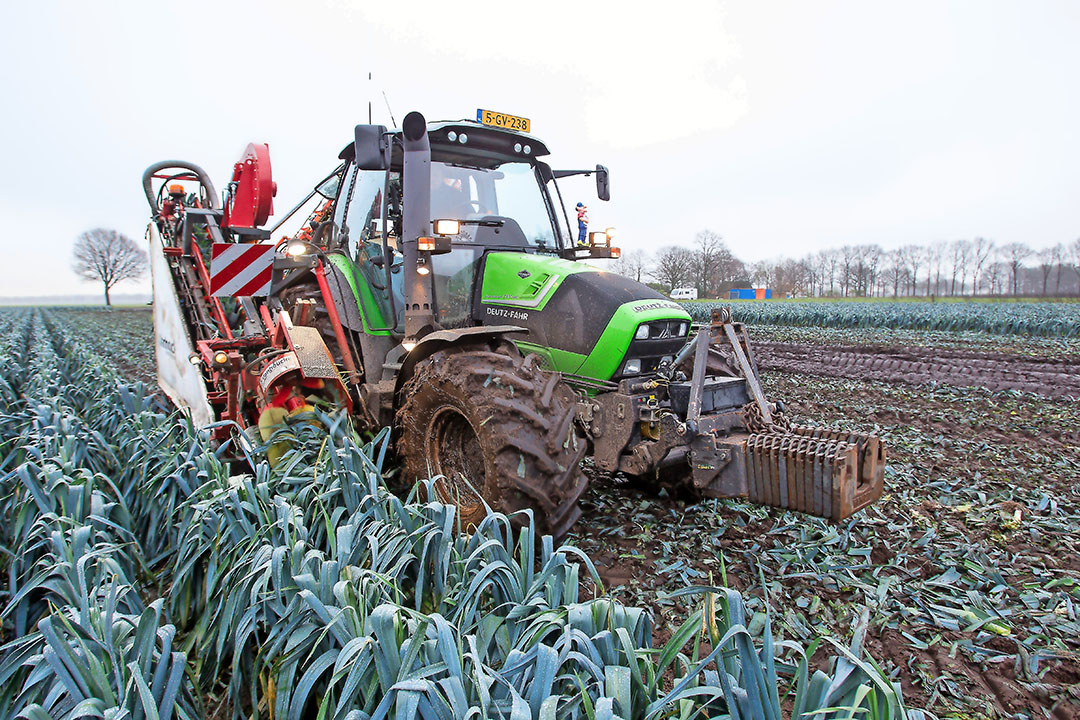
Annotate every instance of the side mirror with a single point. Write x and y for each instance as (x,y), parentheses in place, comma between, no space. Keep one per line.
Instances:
(372,151)
(603,183)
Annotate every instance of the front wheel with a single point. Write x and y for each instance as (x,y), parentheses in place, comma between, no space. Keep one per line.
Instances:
(493,426)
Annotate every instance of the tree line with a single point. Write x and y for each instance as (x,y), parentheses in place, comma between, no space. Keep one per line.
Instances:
(964,267)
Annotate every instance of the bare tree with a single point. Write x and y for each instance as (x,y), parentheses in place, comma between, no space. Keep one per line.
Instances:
(730,270)
(1014,255)
(674,266)
(1047,260)
(936,255)
(633,264)
(993,278)
(813,273)
(869,260)
(829,261)
(708,249)
(792,278)
(912,256)
(108,257)
(1058,256)
(981,249)
(896,270)
(961,256)
(1073,253)
(847,258)
(761,274)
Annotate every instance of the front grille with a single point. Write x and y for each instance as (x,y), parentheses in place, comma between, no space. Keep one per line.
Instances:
(664,329)
(650,352)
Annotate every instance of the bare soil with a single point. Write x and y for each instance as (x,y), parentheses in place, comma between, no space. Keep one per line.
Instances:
(983,482)
(1053,377)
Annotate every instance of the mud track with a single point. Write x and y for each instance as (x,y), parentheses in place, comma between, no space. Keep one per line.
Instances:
(994,371)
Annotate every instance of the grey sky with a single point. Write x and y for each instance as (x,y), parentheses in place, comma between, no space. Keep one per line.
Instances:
(784,126)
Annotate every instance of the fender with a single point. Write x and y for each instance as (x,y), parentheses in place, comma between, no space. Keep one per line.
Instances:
(442,339)
(341,290)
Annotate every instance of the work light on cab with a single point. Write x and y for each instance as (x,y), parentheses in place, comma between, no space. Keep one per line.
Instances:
(447,227)
(600,244)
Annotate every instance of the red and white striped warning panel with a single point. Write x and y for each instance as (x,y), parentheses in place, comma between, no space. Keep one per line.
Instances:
(240,269)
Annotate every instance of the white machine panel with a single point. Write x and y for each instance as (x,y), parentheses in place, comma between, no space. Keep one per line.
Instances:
(181,381)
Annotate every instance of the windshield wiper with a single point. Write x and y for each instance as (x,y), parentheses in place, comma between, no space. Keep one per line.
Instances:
(484,222)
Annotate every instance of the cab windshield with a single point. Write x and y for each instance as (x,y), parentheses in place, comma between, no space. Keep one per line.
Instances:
(508,208)
(509,197)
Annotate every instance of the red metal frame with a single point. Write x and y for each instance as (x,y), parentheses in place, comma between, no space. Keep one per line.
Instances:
(215,304)
(229,376)
(252,191)
(249,204)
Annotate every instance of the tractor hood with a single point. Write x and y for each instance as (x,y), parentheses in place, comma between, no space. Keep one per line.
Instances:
(581,320)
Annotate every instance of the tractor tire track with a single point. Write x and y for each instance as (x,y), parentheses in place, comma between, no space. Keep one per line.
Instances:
(994,371)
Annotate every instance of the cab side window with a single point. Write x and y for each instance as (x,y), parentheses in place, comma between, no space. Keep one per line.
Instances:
(362,218)
(361,221)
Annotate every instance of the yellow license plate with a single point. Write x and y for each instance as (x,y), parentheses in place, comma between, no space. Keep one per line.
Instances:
(502,120)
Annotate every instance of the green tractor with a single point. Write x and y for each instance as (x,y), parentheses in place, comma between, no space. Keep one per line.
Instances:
(438,289)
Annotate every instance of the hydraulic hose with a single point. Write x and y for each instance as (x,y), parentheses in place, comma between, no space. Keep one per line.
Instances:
(148,176)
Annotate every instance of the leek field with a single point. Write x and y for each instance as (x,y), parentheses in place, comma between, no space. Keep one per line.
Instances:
(144,578)
(1059,320)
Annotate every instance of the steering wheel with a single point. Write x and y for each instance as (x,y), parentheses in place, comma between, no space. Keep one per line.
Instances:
(470,211)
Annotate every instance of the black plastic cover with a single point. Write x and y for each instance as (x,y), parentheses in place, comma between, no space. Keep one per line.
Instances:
(719,393)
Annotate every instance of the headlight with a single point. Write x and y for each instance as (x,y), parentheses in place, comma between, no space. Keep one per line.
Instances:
(642,332)
(632,366)
(682,329)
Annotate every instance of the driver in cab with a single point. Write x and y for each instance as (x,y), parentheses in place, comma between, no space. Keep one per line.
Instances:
(450,196)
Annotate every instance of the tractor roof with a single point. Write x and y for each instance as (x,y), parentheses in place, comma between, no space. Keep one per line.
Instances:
(484,146)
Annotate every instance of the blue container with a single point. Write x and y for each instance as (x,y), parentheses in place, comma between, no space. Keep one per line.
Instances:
(750,294)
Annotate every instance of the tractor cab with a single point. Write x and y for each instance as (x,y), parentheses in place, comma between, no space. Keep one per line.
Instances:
(489,191)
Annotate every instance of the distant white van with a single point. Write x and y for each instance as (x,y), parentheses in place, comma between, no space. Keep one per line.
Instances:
(684,294)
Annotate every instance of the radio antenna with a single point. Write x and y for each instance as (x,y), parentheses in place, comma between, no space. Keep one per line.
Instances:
(387,101)
(369,99)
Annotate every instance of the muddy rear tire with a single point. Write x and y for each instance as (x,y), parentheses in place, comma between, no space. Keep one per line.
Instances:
(504,424)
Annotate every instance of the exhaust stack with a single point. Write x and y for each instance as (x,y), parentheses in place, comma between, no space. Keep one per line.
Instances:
(419,298)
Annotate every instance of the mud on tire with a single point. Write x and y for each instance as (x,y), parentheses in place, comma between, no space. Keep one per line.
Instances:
(503,423)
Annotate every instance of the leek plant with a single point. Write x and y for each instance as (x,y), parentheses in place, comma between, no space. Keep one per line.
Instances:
(141,576)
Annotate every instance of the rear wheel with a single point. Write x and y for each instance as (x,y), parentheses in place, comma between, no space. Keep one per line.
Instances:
(496,428)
